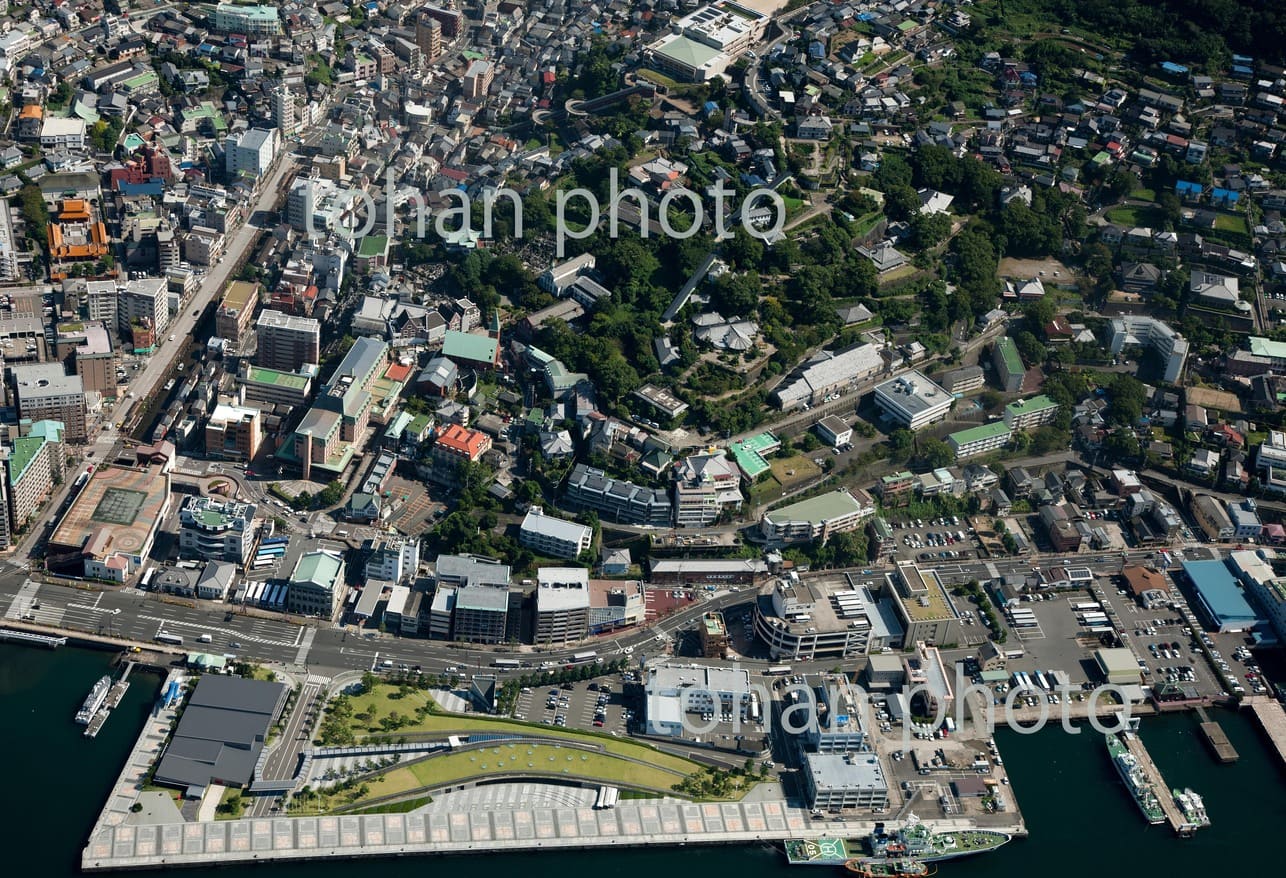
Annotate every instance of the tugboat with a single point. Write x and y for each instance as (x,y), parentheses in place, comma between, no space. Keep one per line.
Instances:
(887,867)
(93,701)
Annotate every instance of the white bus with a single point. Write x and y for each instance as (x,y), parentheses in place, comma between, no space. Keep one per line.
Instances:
(166,637)
(777,671)
(507,663)
(588,656)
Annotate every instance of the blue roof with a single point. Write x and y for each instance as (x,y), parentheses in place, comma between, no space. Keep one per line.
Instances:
(1228,195)
(1187,186)
(1242,59)
(1171,67)
(1218,593)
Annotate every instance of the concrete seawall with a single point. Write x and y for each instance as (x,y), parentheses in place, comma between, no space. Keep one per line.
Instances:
(635,823)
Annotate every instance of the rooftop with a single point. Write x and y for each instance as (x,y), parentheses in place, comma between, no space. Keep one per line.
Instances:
(1009,354)
(239,296)
(827,507)
(260,375)
(561,588)
(913,392)
(981,432)
(122,503)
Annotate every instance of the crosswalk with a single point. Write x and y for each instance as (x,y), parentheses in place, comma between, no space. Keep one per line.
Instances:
(267,633)
(21,605)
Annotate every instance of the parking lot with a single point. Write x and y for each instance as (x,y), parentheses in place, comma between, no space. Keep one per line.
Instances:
(597,705)
(937,539)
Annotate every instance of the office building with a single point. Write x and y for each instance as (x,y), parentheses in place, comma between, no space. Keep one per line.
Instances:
(216,530)
(286,111)
(233,432)
(393,559)
(554,537)
(272,387)
(834,432)
(287,343)
(562,604)
(450,20)
(481,614)
(615,603)
(924,609)
(316,585)
(817,518)
(251,153)
(232,317)
(912,401)
(87,349)
(714,635)
(827,616)
(672,694)
(844,781)
(44,392)
(402,612)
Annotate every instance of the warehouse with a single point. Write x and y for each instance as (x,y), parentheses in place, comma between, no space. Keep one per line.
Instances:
(1219,598)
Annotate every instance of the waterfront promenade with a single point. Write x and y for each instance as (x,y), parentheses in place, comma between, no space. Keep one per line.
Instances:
(445,828)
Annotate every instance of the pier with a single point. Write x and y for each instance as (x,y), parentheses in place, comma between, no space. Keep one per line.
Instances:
(11,635)
(110,703)
(1172,813)
(1272,719)
(1215,738)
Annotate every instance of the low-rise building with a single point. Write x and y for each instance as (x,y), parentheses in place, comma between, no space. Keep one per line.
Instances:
(834,432)
(705,486)
(980,440)
(912,401)
(615,500)
(554,537)
(1027,414)
(316,586)
(816,518)
(673,693)
(801,618)
(1210,516)
(925,609)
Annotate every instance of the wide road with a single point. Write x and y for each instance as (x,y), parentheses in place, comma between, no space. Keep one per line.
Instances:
(138,616)
(181,327)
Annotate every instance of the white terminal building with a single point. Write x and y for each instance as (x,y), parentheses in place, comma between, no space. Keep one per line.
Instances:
(678,697)
(823,617)
(912,400)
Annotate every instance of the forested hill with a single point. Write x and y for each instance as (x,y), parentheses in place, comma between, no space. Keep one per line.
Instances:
(1203,32)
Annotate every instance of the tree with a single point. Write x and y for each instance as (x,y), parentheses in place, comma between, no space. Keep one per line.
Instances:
(936,454)
(1030,347)
(1121,445)
(930,229)
(736,295)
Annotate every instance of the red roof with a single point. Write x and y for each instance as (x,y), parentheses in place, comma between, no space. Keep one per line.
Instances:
(397,372)
(464,441)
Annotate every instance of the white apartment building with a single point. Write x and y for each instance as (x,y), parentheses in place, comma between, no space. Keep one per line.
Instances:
(143,299)
(251,152)
(394,559)
(705,485)
(1152,333)
(554,537)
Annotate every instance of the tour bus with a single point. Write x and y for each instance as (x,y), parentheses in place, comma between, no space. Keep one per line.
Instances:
(777,671)
(507,663)
(585,656)
(165,637)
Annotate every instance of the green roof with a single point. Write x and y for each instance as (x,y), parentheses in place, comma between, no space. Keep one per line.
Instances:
(418,425)
(983,431)
(319,568)
(1266,347)
(688,52)
(467,346)
(1035,404)
(373,245)
(51,430)
(827,507)
(25,449)
(1009,353)
(260,375)
(749,453)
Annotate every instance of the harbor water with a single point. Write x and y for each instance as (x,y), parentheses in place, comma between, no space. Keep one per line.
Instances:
(1081,819)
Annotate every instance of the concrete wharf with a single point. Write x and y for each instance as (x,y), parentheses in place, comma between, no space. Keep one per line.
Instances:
(1173,815)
